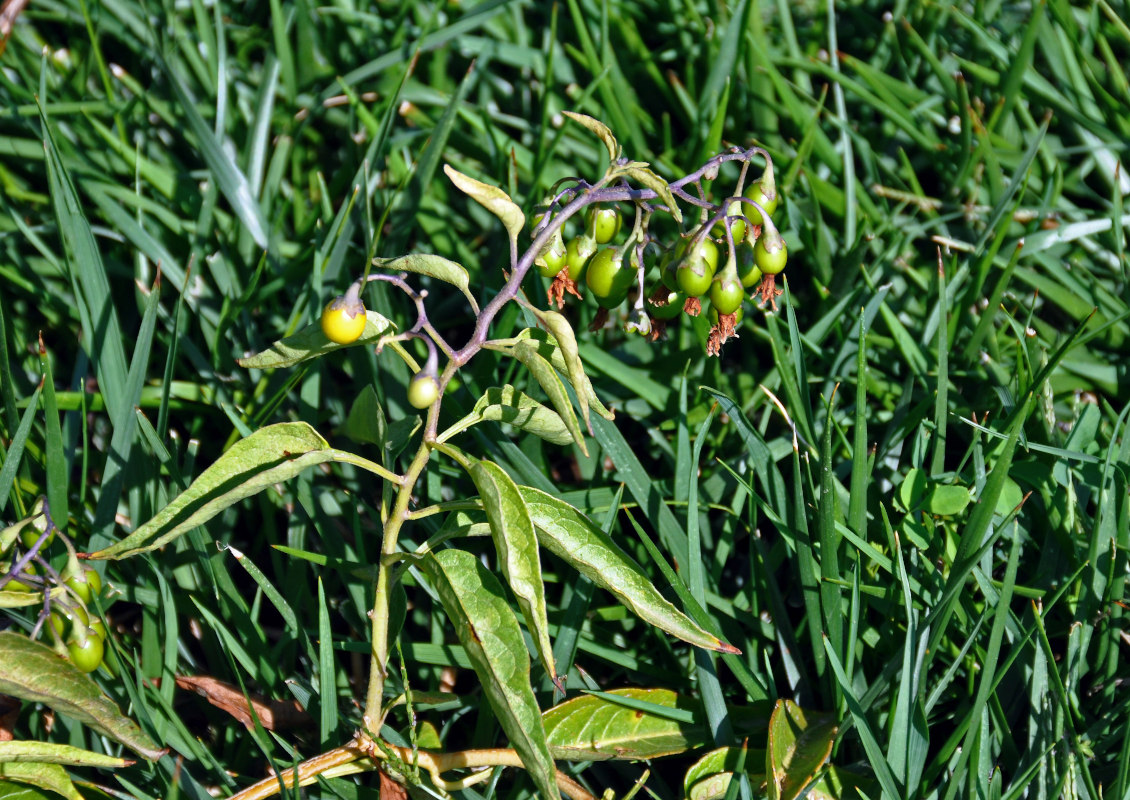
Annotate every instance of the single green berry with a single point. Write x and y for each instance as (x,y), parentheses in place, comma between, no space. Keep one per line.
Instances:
(342,322)
(423,390)
(577,254)
(85,585)
(86,654)
(757,194)
(770,261)
(696,269)
(602,223)
(609,278)
(726,295)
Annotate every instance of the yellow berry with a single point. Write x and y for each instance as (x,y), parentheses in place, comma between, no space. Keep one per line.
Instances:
(341,324)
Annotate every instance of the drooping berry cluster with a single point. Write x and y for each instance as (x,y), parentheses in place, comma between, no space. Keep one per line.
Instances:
(678,274)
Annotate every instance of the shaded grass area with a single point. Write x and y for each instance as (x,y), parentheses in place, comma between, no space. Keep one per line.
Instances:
(910,500)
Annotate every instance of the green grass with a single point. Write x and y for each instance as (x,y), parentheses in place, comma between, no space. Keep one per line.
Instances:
(957,311)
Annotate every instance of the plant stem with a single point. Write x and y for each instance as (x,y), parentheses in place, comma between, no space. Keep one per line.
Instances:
(379,661)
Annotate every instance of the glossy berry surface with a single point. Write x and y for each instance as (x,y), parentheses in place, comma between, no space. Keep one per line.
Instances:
(577,255)
(726,295)
(603,223)
(87,656)
(422,390)
(755,193)
(771,262)
(340,325)
(608,277)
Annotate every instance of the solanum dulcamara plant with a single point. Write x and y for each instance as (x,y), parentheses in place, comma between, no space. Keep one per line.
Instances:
(720,251)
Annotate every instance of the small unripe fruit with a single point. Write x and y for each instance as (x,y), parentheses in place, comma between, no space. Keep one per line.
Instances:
(603,223)
(423,390)
(86,655)
(756,194)
(770,254)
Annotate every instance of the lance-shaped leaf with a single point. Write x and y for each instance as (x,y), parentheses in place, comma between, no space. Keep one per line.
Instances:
(34,672)
(709,777)
(600,129)
(507,404)
(436,267)
(566,341)
(45,777)
(799,744)
(597,728)
(513,533)
(47,753)
(527,351)
(488,631)
(310,342)
(572,536)
(492,199)
(266,457)
(560,353)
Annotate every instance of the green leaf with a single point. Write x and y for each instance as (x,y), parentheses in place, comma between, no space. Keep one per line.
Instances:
(948,500)
(507,404)
(310,342)
(517,546)
(45,753)
(595,728)
(799,744)
(48,777)
(600,129)
(710,776)
(32,671)
(266,457)
(559,353)
(11,790)
(488,631)
(642,174)
(572,536)
(566,341)
(436,267)
(492,199)
(528,353)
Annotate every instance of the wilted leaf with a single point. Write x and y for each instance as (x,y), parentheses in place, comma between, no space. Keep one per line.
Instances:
(489,632)
(492,199)
(600,129)
(310,342)
(507,404)
(269,455)
(799,745)
(32,671)
(572,536)
(596,728)
(517,547)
